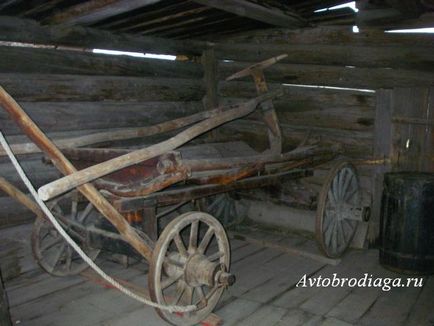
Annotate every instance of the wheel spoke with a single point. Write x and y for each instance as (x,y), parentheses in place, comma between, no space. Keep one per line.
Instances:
(329,234)
(216,256)
(68,258)
(169,281)
(206,240)
(52,244)
(179,294)
(58,256)
(74,206)
(202,297)
(180,245)
(85,213)
(193,236)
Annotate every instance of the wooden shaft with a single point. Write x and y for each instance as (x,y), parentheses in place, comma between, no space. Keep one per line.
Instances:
(121,134)
(96,171)
(17,194)
(142,244)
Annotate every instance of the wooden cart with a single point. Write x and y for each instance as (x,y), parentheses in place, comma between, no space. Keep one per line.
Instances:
(109,199)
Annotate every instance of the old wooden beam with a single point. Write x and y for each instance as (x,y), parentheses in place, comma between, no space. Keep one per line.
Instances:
(51,61)
(5,317)
(114,135)
(80,88)
(96,171)
(14,29)
(275,17)
(139,242)
(211,79)
(92,11)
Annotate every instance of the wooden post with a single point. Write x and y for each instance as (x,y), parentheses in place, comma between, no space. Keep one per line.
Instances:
(210,68)
(382,149)
(5,318)
(404,136)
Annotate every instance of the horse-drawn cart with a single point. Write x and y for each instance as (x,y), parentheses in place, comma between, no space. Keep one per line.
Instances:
(112,199)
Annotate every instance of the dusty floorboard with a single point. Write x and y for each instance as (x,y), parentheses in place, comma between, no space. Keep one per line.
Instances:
(265,292)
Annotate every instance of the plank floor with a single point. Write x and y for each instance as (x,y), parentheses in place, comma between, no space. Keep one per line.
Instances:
(265,292)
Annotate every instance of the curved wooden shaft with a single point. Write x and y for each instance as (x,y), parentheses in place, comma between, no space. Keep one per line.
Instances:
(96,171)
(142,244)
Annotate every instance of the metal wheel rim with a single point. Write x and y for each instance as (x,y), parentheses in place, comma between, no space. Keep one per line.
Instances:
(159,257)
(66,261)
(333,233)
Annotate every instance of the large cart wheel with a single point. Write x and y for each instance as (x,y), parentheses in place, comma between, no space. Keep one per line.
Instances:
(339,210)
(50,249)
(189,266)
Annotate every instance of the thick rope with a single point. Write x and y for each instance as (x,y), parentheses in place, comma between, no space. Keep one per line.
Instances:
(76,247)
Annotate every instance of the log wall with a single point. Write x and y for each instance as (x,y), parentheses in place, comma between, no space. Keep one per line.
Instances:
(76,92)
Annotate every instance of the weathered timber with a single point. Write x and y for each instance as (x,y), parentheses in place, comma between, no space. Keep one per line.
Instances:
(95,10)
(101,169)
(410,57)
(356,144)
(140,242)
(15,193)
(58,88)
(332,35)
(121,134)
(254,11)
(338,76)
(211,80)
(14,29)
(5,317)
(63,88)
(51,116)
(51,61)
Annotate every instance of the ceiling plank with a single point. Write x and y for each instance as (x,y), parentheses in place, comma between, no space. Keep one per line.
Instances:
(257,12)
(93,11)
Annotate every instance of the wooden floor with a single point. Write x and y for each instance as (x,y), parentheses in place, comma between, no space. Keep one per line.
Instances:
(264,294)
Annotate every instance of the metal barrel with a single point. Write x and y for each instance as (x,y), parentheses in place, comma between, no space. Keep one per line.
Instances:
(407,223)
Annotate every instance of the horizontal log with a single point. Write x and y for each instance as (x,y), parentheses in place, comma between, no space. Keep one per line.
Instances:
(410,57)
(372,78)
(51,61)
(14,29)
(315,114)
(356,144)
(66,116)
(337,35)
(46,87)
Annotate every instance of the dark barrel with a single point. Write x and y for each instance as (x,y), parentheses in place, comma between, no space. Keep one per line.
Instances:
(407,222)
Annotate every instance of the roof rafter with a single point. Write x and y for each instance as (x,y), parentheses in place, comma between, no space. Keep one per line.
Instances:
(93,11)
(244,8)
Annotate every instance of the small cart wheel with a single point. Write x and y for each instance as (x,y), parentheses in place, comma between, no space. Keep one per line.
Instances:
(50,249)
(339,210)
(190,266)
(224,208)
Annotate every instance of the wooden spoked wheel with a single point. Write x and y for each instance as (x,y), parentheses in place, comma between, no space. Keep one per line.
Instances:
(223,207)
(50,249)
(338,205)
(190,267)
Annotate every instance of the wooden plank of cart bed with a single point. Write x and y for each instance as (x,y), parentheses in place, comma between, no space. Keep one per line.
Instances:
(181,194)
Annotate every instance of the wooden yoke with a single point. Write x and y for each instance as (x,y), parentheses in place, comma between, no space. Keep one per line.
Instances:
(141,243)
(269,114)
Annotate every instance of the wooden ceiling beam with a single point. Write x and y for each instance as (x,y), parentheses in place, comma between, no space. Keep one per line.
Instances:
(92,11)
(272,16)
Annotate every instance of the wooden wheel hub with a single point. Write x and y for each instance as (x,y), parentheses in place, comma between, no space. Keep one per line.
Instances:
(200,271)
